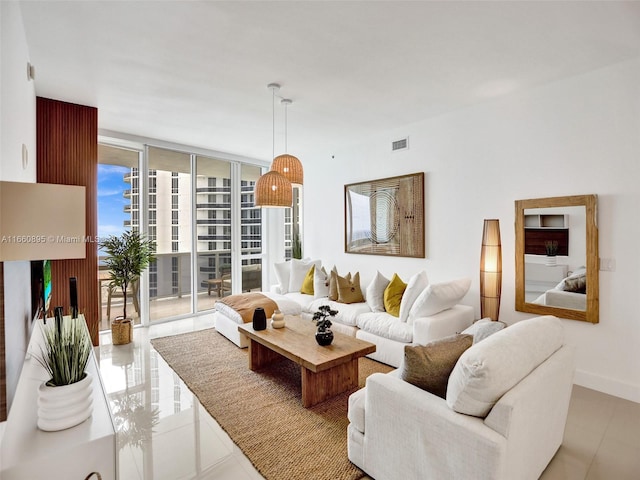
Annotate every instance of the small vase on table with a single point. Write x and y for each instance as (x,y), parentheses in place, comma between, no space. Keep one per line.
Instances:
(277,319)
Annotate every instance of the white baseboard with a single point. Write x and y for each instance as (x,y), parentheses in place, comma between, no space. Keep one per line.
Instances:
(607,385)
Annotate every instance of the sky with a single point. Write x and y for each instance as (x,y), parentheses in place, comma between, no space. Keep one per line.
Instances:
(111,202)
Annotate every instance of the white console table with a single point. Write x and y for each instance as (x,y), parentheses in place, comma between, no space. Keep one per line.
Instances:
(72,454)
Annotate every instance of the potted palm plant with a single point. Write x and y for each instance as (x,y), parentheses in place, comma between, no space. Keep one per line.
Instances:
(127,257)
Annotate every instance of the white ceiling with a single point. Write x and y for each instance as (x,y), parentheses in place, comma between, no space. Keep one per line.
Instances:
(196,72)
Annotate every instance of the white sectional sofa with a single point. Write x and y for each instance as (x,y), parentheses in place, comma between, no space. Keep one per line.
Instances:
(428,312)
(569,293)
(503,417)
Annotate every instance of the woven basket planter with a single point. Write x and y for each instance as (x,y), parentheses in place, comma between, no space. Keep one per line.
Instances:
(121,331)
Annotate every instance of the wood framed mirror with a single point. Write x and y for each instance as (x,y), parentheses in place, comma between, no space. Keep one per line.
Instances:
(557,261)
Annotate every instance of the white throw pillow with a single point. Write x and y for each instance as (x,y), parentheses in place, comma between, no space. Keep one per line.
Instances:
(320,283)
(299,269)
(375,292)
(492,367)
(415,287)
(438,297)
(283,272)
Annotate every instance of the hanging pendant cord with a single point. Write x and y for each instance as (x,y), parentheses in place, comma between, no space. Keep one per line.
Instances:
(285,128)
(273,123)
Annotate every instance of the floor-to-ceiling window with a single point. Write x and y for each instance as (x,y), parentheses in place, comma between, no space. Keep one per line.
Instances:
(198,210)
(251,247)
(170,227)
(118,210)
(293,226)
(213,230)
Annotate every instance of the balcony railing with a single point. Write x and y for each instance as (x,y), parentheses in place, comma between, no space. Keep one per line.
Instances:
(226,205)
(213,190)
(214,221)
(209,238)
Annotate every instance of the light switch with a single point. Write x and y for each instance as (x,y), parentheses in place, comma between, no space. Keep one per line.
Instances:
(25,157)
(608,264)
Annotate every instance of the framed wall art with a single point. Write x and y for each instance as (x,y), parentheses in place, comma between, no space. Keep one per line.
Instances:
(385,217)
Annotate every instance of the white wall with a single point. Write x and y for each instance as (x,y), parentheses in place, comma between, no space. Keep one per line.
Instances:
(18,127)
(575,136)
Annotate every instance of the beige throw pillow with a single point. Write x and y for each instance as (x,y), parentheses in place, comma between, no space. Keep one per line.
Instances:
(349,289)
(429,366)
(333,284)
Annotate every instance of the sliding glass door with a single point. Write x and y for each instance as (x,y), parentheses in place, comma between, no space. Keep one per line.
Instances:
(199,211)
(169,226)
(251,239)
(118,211)
(213,230)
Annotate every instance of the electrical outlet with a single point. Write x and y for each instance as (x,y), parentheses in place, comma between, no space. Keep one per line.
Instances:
(608,264)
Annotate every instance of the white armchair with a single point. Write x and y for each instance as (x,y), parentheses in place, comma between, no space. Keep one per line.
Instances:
(398,430)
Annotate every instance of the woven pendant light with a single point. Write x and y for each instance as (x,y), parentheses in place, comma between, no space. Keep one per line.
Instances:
(288,165)
(272,189)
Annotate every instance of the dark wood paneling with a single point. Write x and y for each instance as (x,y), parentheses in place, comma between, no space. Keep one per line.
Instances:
(535,238)
(67,152)
(3,360)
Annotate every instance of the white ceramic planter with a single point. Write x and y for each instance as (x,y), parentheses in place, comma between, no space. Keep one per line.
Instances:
(551,261)
(64,407)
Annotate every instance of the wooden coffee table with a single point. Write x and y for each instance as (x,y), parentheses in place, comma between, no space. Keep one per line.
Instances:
(325,371)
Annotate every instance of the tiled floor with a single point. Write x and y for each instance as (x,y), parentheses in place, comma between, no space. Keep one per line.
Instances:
(166,434)
(163,432)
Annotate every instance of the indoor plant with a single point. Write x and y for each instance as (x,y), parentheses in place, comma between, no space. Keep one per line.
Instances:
(127,256)
(296,246)
(65,399)
(324,335)
(551,247)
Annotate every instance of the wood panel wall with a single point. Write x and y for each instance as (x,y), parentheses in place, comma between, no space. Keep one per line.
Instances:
(67,153)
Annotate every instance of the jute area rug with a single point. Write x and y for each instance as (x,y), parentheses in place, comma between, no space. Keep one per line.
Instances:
(262,411)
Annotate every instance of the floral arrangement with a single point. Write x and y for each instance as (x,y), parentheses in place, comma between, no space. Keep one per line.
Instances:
(321,317)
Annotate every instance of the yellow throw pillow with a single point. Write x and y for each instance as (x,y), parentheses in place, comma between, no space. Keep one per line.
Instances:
(393,295)
(349,289)
(307,283)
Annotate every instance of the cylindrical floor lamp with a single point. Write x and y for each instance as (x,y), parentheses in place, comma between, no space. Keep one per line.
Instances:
(490,270)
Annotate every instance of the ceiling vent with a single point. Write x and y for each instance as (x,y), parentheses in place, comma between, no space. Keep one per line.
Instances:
(402,144)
